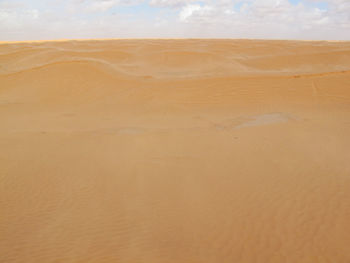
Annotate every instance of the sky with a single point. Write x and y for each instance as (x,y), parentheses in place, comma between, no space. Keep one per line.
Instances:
(267,19)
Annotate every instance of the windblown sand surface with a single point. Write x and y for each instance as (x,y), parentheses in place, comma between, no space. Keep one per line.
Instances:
(184,151)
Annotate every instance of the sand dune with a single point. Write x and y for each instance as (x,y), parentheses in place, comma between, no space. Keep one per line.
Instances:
(175,151)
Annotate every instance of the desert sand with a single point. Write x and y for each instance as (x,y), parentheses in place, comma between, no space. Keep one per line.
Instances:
(175,151)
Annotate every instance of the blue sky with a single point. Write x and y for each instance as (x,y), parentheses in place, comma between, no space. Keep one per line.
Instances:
(274,19)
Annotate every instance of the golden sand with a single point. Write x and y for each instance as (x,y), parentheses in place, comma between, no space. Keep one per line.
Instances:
(175,151)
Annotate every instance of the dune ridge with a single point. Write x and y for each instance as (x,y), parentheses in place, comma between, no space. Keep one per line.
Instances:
(199,56)
(171,150)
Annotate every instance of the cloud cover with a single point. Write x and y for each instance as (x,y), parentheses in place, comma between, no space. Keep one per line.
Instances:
(275,19)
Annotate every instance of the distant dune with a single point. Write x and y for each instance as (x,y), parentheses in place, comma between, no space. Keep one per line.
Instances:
(175,151)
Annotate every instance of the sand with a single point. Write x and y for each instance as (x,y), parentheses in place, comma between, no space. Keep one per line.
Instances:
(175,151)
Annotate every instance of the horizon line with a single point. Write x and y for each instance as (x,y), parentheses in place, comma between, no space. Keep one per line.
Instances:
(156,38)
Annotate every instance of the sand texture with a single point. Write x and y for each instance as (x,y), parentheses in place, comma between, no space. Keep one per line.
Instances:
(175,151)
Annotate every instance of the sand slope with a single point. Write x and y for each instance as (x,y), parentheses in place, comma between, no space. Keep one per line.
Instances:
(175,151)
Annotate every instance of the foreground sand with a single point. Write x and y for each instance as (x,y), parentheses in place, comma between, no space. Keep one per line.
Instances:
(175,151)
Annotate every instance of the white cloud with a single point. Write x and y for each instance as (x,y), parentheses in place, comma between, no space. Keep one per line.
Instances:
(170,3)
(79,6)
(267,19)
(101,6)
(11,18)
(5,4)
(195,11)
